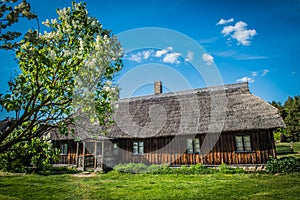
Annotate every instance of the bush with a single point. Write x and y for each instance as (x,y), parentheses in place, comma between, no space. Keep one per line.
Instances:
(201,169)
(158,169)
(225,169)
(283,165)
(28,156)
(59,170)
(133,168)
(137,168)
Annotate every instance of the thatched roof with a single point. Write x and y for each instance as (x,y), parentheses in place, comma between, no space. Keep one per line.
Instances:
(207,110)
(80,129)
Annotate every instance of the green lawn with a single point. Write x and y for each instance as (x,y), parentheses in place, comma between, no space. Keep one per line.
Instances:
(145,186)
(296,147)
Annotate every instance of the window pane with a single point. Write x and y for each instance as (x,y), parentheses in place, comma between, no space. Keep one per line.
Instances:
(239,143)
(64,149)
(99,148)
(141,147)
(196,145)
(247,143)
(116,149)
(189,145)
(135,148)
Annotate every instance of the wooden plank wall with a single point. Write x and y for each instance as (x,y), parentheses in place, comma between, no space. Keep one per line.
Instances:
(70,158)
(157,150)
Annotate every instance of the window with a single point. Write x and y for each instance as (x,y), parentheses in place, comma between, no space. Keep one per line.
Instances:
(116,149)
(138,147)
(193,145)
(243,143)
(63,149)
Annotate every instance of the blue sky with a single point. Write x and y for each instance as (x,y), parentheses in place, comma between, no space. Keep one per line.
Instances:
(254,40)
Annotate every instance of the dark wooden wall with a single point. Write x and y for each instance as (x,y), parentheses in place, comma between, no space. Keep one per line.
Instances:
(172,150)
(156,151)
(70,158)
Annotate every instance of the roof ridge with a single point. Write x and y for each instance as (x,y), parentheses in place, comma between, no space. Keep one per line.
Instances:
(189,91)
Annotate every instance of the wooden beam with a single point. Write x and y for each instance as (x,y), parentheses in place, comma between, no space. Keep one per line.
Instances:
(95,155)
(83,156)
(77,151)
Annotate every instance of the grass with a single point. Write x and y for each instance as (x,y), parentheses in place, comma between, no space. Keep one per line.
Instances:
(296,147)
(145,186)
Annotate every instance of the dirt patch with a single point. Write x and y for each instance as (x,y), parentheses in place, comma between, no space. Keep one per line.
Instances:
(84,174)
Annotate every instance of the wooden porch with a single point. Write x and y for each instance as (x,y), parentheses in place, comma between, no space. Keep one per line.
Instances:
(89,155)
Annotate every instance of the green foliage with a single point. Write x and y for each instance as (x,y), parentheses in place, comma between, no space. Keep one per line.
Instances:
(277,135)
(292,119)
(34,155)
(290,112)
(51,170)
(137,168)
(63,71)
(132,168)
(10,13)
(283,165)
(225,169)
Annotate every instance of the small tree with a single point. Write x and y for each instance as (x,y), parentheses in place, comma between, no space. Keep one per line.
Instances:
(71,65)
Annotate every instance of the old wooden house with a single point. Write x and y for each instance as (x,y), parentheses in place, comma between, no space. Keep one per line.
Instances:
(214,125)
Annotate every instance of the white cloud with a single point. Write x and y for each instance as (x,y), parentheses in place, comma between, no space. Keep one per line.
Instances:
(223,21)
(264,72)
(166,55)
(172,58)
(260,73)
(189,57)
(254,74)
(245,79)
(147,54)
(136,57)
(240,33)
(208,59)
(162,52)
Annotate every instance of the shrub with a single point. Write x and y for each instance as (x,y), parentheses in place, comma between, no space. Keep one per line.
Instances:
(283,165)
(201,169)
(28,156)
(225,169)
(133,168)
(137,168)
(158,169)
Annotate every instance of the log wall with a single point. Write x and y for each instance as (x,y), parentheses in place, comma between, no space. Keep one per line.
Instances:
(172,150)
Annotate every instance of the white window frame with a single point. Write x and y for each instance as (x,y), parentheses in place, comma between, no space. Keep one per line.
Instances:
(115,148)
(64,149)
(138,148)
(193,145)
(243,143)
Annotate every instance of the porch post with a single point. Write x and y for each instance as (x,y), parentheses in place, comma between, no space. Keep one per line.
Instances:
(83,157)
(102,157)
(77,152)
(95,155)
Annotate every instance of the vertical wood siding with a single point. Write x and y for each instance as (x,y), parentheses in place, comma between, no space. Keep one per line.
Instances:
(157,150)
(172,151)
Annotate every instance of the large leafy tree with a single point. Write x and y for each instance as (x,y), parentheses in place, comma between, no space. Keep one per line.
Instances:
(292,118)
(290,112)
(10,13)
(66,70)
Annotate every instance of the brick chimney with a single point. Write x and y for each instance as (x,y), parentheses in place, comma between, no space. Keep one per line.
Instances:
(157,87)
